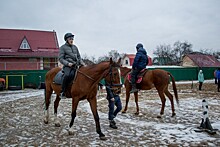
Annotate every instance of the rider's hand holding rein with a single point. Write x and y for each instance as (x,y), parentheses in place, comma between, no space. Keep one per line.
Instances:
(70,64)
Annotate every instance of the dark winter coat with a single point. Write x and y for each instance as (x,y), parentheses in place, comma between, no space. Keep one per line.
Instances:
(141,59)
(69,54)
(110,94)
(218,74)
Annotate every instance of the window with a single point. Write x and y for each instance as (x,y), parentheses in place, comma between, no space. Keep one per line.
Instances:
(126,62)
(24,44)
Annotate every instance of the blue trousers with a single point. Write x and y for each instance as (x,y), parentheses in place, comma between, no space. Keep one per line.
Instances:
(111,104)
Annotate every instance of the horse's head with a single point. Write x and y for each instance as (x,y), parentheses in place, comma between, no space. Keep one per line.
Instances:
(124,71)
(113,77)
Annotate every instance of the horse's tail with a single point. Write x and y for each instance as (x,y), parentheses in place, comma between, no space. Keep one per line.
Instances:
(174,88)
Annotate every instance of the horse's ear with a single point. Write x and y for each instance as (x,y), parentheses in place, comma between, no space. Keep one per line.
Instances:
(119,61)
(111,61)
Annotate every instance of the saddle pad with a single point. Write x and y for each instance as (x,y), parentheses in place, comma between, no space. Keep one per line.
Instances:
(58,79)
(139,76)
(139,79)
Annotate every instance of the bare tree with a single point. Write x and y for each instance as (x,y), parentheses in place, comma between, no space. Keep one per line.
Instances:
(88,60)
(180,49)
(114,54)
(206,51)
(164,54)
(103,58)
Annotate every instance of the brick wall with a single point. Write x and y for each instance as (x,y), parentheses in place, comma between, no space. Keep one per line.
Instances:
(22,64)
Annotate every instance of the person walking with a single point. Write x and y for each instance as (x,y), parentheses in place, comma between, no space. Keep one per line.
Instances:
(140,62)
(218,78)
(215,76)
(70,57)
(113,100)
(200,79)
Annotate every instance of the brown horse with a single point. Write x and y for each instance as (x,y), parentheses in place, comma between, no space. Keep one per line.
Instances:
(153,78)
(84,86)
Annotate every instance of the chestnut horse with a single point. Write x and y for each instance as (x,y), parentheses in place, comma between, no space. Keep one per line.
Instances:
(153,78)
(84,86)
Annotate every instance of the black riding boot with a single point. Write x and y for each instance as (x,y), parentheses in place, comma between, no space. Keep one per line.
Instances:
(133,80)
(112,124)
(64,84)
(134,89)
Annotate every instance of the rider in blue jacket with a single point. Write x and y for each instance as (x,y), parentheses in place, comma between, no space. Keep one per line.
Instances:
(140,62)
(218,77)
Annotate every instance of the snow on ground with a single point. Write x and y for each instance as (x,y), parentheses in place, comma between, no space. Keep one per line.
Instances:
(21,116)
(7,96)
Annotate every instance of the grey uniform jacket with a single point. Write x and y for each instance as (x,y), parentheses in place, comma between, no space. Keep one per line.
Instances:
(69,54)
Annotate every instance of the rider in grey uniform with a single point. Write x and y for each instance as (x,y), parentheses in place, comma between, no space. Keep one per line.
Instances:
(70,57)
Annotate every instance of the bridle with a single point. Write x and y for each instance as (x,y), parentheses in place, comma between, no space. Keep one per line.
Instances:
(111,84)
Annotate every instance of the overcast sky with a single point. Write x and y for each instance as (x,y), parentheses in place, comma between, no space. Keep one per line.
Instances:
(103,25)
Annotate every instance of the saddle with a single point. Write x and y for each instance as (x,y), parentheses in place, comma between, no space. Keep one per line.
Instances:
(139,76)
(58,79)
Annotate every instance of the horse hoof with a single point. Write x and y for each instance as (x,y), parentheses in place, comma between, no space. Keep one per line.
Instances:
(123,112)
(45,121)
(57,125)
(71,133)
(174,114)
(137,113)
(159,116)
(103,138)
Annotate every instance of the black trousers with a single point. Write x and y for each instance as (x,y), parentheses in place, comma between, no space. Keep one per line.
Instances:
(218,85)
(134,74)
(200,85)
(69,73)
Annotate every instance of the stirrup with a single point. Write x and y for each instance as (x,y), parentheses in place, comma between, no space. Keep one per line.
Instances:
(62,95)
(133,90)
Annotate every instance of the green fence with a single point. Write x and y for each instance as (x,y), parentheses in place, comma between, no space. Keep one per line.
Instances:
(190,73)
(30,77)
(38,76)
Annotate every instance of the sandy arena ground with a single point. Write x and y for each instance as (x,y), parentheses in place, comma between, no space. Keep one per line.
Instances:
(21,117)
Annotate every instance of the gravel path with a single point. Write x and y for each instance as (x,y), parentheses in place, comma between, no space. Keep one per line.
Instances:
(22,120)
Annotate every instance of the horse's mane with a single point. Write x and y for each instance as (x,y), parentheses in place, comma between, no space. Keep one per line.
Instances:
(93,65)
(125,71)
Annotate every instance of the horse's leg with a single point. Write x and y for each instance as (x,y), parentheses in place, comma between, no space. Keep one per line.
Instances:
(56,104)
(163,100)
(48,93)
(75,102)
(93,106)
(136,101)
(170,96)
(127,99)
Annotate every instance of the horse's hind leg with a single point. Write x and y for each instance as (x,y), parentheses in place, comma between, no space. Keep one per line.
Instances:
(163,100)
(170,96)
(56,104)
(48,93)
(93,105)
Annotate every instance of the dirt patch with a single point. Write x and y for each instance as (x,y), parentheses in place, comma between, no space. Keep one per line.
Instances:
(22,121)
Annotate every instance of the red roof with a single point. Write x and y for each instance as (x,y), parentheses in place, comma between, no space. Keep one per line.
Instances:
(42,43)
(204,60)
(132,56)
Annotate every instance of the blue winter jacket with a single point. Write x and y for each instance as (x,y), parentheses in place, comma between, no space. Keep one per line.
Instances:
(218,74)
(141,59)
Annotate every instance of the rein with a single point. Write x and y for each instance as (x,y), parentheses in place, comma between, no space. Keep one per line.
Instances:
(107,84)
(86,75)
